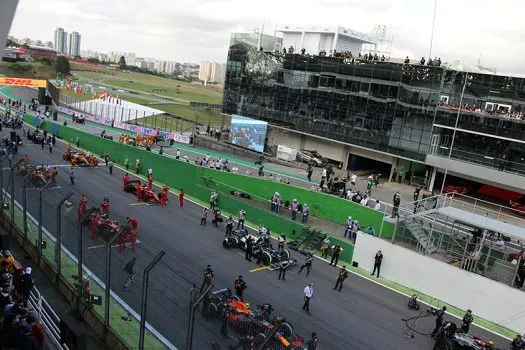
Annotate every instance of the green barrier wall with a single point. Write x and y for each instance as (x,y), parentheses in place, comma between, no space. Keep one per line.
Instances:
(321,205)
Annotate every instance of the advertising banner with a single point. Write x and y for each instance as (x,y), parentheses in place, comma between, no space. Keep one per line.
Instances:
(23,82)
(129,127)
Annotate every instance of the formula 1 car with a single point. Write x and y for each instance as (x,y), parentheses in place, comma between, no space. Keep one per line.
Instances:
(12,122)
(148,196)
(106,227)
(79,159)
(454,339)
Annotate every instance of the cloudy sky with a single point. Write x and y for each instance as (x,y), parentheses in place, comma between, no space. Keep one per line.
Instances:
(194,30)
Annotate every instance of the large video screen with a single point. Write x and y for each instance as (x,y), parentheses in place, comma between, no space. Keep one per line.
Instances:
(248,133)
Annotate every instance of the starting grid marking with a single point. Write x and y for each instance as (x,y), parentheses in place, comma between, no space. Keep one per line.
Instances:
(140,203)
(38,188)
(113,246)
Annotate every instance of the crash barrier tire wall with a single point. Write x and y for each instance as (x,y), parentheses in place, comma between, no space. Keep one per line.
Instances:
(112,340)
(178,174)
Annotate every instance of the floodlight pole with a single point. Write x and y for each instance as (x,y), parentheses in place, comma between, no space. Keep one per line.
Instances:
(432,33)
(79,265)
(24,204)
(13,196)
(455,130)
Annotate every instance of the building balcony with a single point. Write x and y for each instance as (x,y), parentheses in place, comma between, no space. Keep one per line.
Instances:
(477,167)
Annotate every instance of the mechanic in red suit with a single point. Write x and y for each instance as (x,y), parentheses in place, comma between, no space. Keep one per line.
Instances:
(125,181)
(105,205)
(134,232)
(163,198)
(95,221)
(139,189)
(181,198)
(150,182)
(82,207)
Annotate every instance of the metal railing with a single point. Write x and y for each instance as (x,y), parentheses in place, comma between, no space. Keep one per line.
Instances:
(48,317)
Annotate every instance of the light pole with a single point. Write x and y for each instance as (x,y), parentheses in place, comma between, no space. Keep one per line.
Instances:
(432,33)
(454,132)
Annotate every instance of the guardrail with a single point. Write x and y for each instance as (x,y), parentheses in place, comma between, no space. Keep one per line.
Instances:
(48,317)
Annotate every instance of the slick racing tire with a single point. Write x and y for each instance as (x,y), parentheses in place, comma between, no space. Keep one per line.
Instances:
(286,254)
(286,329)
(213,309)
(266,258)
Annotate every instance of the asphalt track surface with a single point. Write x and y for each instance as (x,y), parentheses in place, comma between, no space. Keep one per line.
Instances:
(363,316)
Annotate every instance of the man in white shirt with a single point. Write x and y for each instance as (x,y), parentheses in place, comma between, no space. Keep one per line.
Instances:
(178,154)
(353,179)
(324,173)
(308,294)
(377,206)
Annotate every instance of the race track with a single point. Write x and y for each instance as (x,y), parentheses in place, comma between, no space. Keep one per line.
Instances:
(363,316)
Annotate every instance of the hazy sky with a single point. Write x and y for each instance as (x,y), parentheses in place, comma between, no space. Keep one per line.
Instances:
(194,30)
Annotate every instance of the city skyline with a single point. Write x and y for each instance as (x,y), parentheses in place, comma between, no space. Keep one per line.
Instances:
(196,30)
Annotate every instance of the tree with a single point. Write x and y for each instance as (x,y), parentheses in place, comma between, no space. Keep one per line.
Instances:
(62,65)
(122,62)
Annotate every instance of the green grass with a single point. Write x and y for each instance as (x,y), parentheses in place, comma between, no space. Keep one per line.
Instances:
(33,70)
(147,82)
(186,92)
(203,116)
(128,331)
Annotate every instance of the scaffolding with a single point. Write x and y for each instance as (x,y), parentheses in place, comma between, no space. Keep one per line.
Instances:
(384,42)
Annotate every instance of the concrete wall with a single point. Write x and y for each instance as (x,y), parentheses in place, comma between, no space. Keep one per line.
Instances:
(478,173)
(488,299)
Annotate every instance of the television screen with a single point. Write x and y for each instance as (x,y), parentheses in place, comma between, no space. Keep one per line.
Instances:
(248,133)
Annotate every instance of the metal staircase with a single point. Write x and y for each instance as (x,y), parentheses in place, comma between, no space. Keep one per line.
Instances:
(415,225)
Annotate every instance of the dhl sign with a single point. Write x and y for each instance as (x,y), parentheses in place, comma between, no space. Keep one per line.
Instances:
(23,82)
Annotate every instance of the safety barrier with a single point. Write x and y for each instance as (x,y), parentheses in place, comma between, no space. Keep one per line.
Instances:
(48,317)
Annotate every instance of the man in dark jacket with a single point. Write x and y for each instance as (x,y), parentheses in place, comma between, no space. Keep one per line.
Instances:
(378,258)
(26,284)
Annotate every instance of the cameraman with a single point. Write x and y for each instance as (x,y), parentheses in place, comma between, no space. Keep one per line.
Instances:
(440,314)
(447,330)
(467,320)
(517,343)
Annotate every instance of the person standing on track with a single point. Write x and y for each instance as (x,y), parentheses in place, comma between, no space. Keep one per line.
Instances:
(343,275)
(229,225)
(204,216)
(126,163)
(110,165)
(72,175)
(208,275)
(150,181)
(307,263)
(242,216)
(240,286)
(308,294)
(378,259)
(466,321)
(336,251)
(78,142)
(129,268)
(283,265)
(440,314)
(125,181)
(181,198)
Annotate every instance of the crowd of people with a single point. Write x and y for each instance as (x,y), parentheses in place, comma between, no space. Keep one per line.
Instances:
(505,113)
(20,327)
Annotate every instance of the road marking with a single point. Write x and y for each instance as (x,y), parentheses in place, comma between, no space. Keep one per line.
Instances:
(140,203)
(261,269)
(38,188)
(113,246)
(47,166)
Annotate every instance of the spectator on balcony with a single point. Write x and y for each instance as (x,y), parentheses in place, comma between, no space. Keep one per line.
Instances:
(407,60)
(422,61)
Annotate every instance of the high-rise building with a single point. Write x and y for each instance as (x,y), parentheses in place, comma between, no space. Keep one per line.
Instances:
(212,72)
(74,44)
(60,41)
